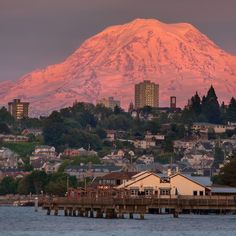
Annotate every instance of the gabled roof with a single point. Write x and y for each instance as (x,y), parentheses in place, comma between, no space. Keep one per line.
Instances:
(138,177)
(37,163)
(203,180)
(118,175)
(193,179)
(139,174)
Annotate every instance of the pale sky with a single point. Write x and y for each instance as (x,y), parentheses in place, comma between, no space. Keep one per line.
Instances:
(37,33)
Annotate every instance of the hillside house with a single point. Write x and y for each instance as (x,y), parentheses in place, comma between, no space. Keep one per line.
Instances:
(12,172)
(13,138)
(44,152)
(146,159)
(205,127)
(90,171)
(35,132)
(9,159)
(198,161)
(51,167)
(79,152)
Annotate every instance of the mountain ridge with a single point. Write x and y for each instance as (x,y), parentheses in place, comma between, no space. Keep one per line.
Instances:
(177,56)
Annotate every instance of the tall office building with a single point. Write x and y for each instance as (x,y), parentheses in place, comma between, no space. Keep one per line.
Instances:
(146,94)
(18,109)
(109,102)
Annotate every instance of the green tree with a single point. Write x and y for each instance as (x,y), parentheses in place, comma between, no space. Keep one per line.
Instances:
(24,150)
(231,111)
(6,117)
(102,112)
(211,134)
(4,129)
(33,183)
(25,186)
(153,126)
(227,175)
(211,107)
(196,104)
(31,123)
(117,122)
(146,110)
(63,165)
(218,156)
(39,180)
(168,144)
(59,182)
(118,110)
(8,186)
(54,129)
(101,133)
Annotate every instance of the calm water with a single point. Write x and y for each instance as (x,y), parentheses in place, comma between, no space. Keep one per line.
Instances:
(25,222)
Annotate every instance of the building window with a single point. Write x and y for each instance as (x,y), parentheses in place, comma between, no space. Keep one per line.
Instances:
(148,191)
(201,193)
(165,180)
(134,192)
(164,191)
(194,193)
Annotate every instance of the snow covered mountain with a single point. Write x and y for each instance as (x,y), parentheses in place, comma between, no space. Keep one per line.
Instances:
(176,56)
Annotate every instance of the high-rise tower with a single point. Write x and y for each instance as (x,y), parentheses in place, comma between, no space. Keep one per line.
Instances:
(146,94)
(18,109)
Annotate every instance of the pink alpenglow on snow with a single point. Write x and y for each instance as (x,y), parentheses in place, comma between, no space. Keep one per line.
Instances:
(178,57)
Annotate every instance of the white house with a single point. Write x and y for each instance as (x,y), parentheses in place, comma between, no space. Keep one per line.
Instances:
(204,127)
(145,144)
(44,152)
(146,159)
(159,137)
(198,161)
(8,158)
(144,183)
(148,183)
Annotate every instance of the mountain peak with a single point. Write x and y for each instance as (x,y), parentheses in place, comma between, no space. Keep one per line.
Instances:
(154,24)
(176,56)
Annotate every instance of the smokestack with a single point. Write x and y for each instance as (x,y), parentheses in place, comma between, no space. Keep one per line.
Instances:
(173,102)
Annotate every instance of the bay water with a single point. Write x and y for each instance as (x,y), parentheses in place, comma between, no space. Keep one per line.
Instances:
(24,221)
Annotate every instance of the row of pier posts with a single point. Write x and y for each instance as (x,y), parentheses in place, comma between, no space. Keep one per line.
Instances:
(108,213)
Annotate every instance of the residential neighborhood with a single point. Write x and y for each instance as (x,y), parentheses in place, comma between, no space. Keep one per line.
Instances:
(149,150)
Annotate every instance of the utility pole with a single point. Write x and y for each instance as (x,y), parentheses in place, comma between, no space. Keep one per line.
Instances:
(67,184)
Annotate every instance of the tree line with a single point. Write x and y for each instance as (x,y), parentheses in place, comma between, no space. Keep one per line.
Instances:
(38,182)
(208,109)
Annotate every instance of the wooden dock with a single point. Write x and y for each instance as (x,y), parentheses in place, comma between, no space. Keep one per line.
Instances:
(117,206)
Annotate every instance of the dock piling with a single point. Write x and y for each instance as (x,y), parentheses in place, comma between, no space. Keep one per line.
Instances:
(131,215)
(36,204)
(56,212)
(48,211)
(141,216)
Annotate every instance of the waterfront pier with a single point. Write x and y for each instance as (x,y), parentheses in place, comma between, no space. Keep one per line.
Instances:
(113,205)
